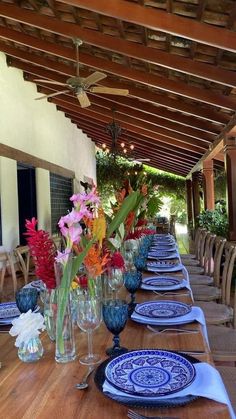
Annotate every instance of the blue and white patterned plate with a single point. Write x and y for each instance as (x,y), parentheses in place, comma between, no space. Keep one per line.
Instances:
(164,267)
(162,309)
(162,281)
(150,373)
(162,255)
(8,310)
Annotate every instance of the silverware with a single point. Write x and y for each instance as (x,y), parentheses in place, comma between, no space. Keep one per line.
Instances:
(83,384)
(134,415)
(171,294)
(170,330)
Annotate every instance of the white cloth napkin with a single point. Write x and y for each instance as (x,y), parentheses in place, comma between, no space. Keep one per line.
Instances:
(196,314)
(207,383)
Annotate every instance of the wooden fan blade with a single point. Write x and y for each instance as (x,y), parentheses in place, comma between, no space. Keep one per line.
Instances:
(52,95)
(109,90)
(93,79)
(50,82)
(83,100)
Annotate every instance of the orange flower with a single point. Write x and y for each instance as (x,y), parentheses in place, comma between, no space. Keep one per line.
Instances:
(129,221)
(94,261)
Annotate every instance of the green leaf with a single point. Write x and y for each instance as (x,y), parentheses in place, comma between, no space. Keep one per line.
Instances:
(127,206)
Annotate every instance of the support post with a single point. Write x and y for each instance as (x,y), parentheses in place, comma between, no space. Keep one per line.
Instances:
(230,166)
(208,185)
(196,197)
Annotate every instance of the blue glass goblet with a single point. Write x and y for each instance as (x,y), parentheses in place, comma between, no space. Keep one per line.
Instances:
(132,284)
(26,299)
(140,263)
(115,315)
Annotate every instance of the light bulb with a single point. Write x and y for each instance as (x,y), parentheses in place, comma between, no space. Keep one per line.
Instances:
(107,150)
(135,173)
(122,145)
(125,150)
(131,146)
(103,145)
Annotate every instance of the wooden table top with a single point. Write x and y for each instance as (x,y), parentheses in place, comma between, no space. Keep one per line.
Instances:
(46,390)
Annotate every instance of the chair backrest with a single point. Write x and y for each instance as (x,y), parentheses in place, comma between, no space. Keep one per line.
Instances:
(208,254)
(7,261)
(197,241)
(203,236)
(219,247)
(230,256)
(22,254)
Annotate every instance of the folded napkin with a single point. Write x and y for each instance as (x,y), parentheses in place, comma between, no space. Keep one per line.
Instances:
(207,383)
(196,314)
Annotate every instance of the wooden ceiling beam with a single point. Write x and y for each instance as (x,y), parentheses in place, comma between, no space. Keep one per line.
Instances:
(137,140)
(139,147)
(136,130)
(42,68)
(163,83)
(129,122)
(121,46)
(161,21)
(149,119)
(150,109)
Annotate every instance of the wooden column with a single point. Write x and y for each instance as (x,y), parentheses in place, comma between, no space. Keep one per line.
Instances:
(230,166)
(208,185)
(189,202)
(196,197)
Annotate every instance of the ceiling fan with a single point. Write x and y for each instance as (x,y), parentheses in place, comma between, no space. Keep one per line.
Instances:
(79,86)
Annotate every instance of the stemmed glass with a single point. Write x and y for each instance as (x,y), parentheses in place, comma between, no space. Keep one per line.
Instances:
(115,315)
(115,280)
(133,280)
(89,318)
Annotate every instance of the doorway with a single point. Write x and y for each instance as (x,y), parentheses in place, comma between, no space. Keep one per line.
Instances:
(26,197)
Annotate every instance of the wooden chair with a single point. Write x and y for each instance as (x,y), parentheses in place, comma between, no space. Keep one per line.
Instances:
(222,313)
(199,250)
(228,375)
(206,252)
(194,255)
(23,258)
(7,262)
(214,277)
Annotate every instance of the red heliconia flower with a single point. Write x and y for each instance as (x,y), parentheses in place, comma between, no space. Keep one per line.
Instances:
(117,261)
(135,235)
(141,223)
(42,250)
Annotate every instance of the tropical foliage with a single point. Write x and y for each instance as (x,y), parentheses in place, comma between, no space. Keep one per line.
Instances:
(215,221)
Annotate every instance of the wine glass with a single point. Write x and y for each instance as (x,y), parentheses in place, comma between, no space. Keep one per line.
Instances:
(132,280)
(89,317)
(115,315)
(115,280)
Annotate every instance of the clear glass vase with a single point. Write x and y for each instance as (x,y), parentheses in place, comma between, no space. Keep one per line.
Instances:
(48,297)
(65,340)
(31,351)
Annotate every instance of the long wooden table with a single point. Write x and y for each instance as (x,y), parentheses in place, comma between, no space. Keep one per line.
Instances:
(46,390)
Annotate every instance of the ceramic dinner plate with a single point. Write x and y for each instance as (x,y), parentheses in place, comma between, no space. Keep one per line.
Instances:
(150,373)
(162,309)
(8,310)
(164,267)
(162,255)
(162,283)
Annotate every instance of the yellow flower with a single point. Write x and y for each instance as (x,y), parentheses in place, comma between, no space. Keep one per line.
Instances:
(99,227)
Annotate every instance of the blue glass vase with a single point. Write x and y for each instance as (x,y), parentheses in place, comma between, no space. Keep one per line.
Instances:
(26,299)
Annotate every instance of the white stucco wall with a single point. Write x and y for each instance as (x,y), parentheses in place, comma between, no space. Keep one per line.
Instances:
(37,128)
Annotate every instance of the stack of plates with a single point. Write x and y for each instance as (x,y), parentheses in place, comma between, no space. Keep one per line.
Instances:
(8,312)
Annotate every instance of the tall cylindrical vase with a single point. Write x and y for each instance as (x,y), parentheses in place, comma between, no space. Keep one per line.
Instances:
(48,297)
(65,340)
